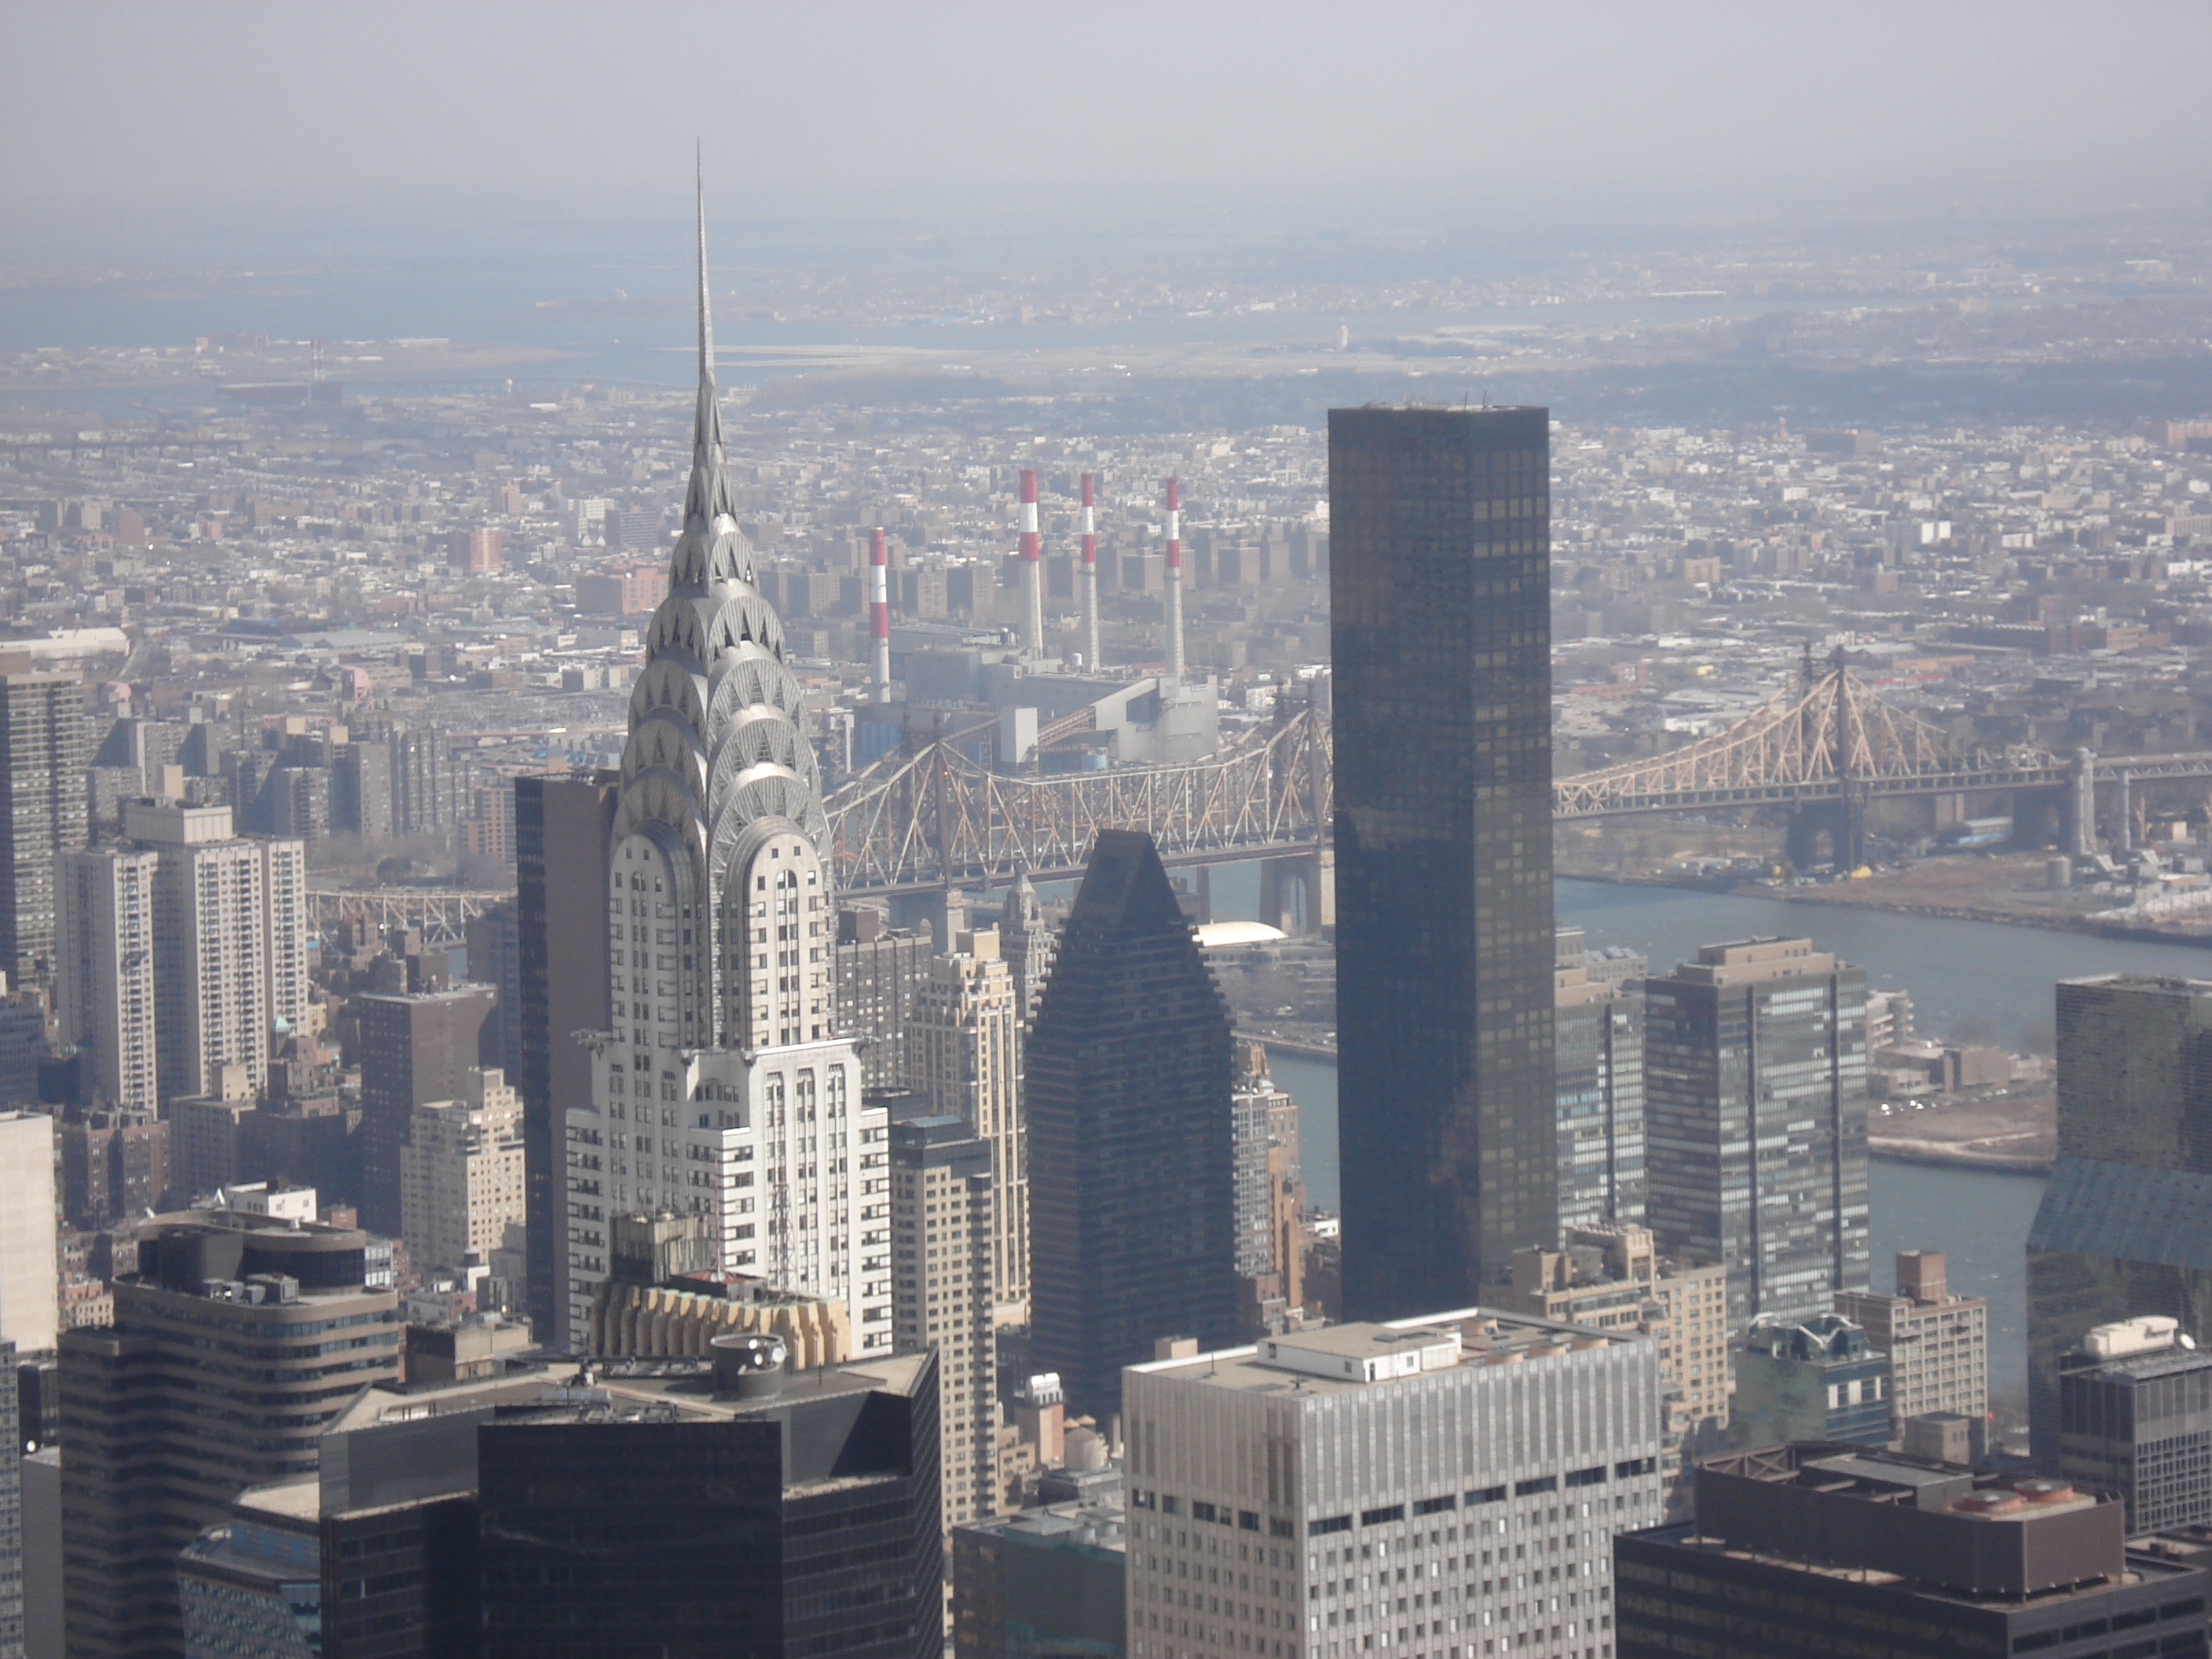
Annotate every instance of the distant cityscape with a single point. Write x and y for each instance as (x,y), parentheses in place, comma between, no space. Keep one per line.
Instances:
(624,1032)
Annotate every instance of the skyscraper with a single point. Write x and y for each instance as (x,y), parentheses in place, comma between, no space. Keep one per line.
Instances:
(963,1051)
(416,1048)
(1027,942)
(1303,1470)
(941,1295)
(564,829)
(2125,1226)
(1754,1077)
(1441,627)
(181,947)
(2135,1416)
(722,1086)
(461,1173)
(43,756)
(237,1339)
(1598,1041)
(1132,1180)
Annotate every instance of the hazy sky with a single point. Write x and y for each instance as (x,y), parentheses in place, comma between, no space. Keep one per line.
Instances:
(1260,115)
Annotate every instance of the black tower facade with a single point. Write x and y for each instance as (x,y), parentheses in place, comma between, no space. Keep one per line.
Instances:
(1132,1184)
(1440,560)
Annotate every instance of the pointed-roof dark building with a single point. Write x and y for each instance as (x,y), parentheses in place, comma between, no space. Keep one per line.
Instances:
(1132,1190)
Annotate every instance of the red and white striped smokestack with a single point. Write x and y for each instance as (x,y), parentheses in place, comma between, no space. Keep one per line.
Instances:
(879,603)
(1175,579)
(1090,577)
(1032,584)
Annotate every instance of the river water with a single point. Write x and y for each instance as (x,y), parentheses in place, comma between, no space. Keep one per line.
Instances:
(1970,975)
(1960,974)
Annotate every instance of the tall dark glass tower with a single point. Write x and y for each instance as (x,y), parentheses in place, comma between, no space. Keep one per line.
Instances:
(1133,1195)
(1440,553)
(2125,1226)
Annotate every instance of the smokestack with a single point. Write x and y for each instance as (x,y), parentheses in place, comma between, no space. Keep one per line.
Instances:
(1175,579)
(1090,579)
(879,611)
(1032,573)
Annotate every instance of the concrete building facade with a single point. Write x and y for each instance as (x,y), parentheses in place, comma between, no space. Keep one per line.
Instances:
(964,1052)
(461,1175)
(1938,1344)
(1275,1492)
(30,1275)
(215,925)
(942,1256)
(1612,1278)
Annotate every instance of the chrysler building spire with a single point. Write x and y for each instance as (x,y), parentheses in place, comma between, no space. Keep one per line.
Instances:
(720,928)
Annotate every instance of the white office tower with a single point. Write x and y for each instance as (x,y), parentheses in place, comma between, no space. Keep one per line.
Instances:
(183,948)
(1445,1486)
(722,1086)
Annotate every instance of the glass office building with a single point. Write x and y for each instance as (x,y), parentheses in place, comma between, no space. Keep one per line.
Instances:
(1440,629)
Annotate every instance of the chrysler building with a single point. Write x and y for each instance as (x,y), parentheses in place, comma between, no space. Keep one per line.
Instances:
(721,1085)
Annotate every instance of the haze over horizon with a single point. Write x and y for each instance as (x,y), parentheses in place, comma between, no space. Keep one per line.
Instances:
(153,133)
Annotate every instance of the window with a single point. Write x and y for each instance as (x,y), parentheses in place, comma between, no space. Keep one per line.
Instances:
(1590,1476)
(1436,1505)
(1388,1513)
(1530,1488)
(1332,1523)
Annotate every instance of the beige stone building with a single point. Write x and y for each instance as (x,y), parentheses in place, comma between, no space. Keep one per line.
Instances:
(461,1174)
(1937,1343)
(1612,1278)
(942,1275)
(964,1052)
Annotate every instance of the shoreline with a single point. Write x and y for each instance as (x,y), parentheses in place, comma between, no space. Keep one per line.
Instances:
(1821,897)
(1929,1154)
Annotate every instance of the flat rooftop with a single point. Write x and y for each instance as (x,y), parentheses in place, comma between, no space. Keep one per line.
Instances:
(1338,1357)
(2142,1565)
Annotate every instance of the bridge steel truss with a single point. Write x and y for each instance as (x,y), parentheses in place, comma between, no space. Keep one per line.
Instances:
(443,914)
(1830,739)
(911,823)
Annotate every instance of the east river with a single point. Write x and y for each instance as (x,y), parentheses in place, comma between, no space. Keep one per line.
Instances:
(1973,976)
(1997,977)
